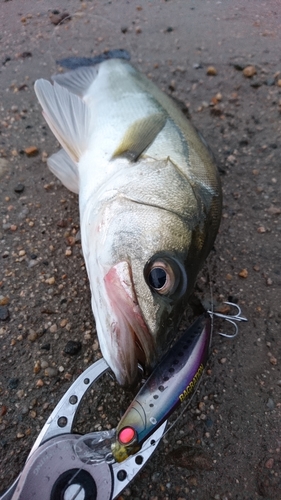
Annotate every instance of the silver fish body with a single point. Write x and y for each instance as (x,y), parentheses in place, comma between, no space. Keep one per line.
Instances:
(149,199)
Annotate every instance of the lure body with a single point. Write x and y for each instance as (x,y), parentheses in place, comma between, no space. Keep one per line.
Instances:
(172,382)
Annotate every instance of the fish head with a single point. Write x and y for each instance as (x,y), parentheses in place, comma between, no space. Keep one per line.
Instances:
(142,260)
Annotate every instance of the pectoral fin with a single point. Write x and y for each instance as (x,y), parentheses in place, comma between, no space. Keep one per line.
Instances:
(65,169)
(67,115)
(140,136)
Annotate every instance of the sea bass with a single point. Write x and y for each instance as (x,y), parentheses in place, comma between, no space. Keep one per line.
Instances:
(149,200)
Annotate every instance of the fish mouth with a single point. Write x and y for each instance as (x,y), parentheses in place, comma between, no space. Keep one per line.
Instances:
(130,340)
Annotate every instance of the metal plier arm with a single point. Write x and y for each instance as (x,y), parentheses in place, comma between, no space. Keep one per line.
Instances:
(54,471)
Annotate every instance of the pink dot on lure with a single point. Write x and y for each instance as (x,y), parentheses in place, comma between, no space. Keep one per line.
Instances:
(126,435)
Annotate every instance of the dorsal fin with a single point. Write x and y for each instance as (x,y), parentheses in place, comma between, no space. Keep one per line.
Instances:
(69,118)
(139,136)
(77,81)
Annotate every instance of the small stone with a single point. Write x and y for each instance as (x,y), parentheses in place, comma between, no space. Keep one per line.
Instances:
(39,383)
(68,252)
(273,360)
(269,463)
(249,71)
(46,347)
(32,336)
(31,151)
(243,273)
(59,18)
(279,83)
(272,210)
(63,323)
(138,30)
(211,71)
(4,301)
(44,364)
(72,347)
(270,82)
(261,230)
(124,29)
(33,413)
(13,383)
(51,371)
(223,361)
(13,227)
(53,328)
(21,253)
(95,345)
(270,404)
(4,313)
(37,367)
(3,410)
(50,281)
(20,435)
(19,188)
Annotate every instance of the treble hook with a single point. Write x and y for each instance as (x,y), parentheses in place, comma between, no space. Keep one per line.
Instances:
(233,319)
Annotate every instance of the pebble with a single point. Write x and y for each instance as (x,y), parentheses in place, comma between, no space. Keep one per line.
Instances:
(31,151)
(51,371)
(270,404)
(44,364)
(39,383)
(13,383)
(72,347)
(19,188)
(37,367)
(249,71)
(4,313)
(46,347)
(59,18)
(53,328)
(32,336)
(4,301)
(243,273)
(63,323)
(211,71)
(50,281)
(269,463)
(3,410)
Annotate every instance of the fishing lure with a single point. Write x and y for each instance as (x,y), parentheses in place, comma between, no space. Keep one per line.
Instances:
(170,384)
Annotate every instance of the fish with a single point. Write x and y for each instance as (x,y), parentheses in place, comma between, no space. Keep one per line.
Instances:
(149,200)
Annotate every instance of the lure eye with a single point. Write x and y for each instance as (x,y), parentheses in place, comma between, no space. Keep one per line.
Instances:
(161,277)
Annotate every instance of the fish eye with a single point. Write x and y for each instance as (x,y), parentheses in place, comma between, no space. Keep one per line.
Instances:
(161,277)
